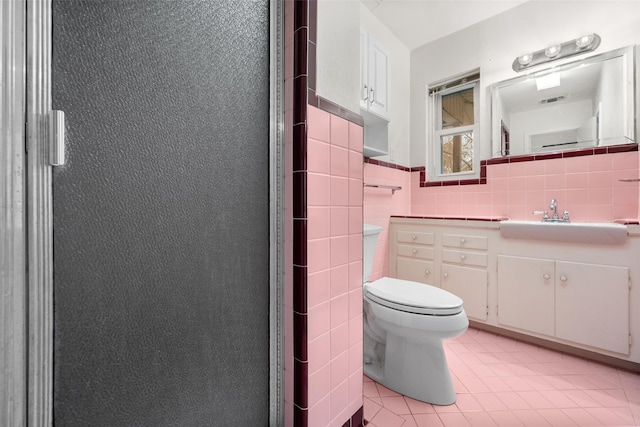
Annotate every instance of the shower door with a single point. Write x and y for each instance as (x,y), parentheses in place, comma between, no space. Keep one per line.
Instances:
(161,213)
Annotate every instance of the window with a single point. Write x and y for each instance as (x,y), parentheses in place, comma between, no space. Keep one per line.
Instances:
(454,117)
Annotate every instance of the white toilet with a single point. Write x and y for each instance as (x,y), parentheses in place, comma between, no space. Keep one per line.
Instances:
(404,325)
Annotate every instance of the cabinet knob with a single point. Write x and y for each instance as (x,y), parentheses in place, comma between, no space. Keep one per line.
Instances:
(414,237)
(463,257)
(427,272)
(563,278)
(462,240)
(415,251)
(445,274)
(546,277)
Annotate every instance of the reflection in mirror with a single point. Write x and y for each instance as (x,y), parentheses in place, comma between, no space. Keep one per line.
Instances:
(582,104)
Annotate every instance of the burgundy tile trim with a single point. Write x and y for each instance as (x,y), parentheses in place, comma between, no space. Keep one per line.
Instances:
(300,417)
(547,156)
(497,160)
(622,148)
(304,60)
(386,164)
(518,159)
(312,97)
(526,158)
(419,169)
(627,221)
(300,64)
(299,161)
(300,14)
(313,20)
(300,322)
(300,100)
(299,195)
(578,153)
(311,65)
(463,218)
(300,289)
(300,242)
(357,419)
(335,109)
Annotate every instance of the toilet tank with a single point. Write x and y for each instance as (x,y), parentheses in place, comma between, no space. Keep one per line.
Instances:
(370,239)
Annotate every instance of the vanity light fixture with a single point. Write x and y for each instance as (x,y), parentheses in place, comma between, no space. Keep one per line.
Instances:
(582,44)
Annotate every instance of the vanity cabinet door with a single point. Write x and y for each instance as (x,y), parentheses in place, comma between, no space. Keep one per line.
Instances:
(415,270)
(592,305)
(526,294)
(470,284)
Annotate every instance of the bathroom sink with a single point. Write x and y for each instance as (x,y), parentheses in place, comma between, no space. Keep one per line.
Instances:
(570,232)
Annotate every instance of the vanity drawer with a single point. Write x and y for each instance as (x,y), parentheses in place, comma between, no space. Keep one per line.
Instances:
(416,251)
(468,242)
(415,270)
(415,237)
(478,259)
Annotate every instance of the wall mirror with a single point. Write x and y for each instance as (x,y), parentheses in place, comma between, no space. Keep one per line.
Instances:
(585,103)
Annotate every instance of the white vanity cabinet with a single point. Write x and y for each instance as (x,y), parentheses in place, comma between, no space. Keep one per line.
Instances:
(583,303)
(433,252)
(415,255)
(374,76)
(464,271)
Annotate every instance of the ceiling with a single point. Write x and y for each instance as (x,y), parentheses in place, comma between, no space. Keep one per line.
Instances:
(418,22)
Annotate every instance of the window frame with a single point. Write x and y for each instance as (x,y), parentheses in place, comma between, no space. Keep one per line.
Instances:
(435,132)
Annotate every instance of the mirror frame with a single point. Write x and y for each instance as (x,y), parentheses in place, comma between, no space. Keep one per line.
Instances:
(629,52)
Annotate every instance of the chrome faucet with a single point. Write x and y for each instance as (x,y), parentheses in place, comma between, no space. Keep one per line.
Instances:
(554,217)
(554,207)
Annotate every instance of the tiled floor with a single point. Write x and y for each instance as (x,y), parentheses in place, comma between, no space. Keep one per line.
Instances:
(503,382)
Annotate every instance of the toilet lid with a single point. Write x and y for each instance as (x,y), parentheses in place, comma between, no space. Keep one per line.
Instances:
(413,297)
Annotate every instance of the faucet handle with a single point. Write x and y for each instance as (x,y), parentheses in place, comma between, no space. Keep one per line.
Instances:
(544,214)
(565,216)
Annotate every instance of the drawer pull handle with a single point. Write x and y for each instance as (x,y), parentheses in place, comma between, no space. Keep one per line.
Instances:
(415,251)
(427,272)
(445,274)
(546,277)
(463,257)
(563,278)
(414,237)
(462,240)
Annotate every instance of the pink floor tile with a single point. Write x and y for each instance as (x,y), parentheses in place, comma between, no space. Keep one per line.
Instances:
(504,382)
(531,418)
(428,420)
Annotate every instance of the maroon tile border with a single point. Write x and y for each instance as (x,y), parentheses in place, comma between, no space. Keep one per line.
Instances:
(462,218)
(304,13)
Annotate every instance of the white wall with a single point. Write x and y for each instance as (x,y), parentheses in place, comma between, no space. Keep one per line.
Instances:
(338,52)
(494,43)
(338,62)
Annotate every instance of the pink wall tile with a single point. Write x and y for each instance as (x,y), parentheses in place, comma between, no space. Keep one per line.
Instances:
(318,124)
(318,157)
(339,307)
(339,131)
(339,161)
(319,352)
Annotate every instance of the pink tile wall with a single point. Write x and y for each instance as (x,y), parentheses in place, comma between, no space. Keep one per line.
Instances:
(334,233)
(380,204)
(589,187)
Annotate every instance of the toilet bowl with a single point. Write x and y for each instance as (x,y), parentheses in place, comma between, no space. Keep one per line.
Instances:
(405,324)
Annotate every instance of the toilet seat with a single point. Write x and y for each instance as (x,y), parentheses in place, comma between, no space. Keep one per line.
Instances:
(413,297)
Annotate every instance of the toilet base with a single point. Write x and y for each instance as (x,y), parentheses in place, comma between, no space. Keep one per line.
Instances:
(415,369)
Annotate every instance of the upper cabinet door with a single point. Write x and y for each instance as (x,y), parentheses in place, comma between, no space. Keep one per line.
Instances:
(374,76)
(378,78)
(364,67)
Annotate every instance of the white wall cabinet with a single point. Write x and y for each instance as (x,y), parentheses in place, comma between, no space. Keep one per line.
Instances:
(374,76)
(374,95)
(583,303)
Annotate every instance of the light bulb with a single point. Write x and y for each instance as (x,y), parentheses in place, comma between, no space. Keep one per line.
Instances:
(584,41)
(552,51)
(525,59)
